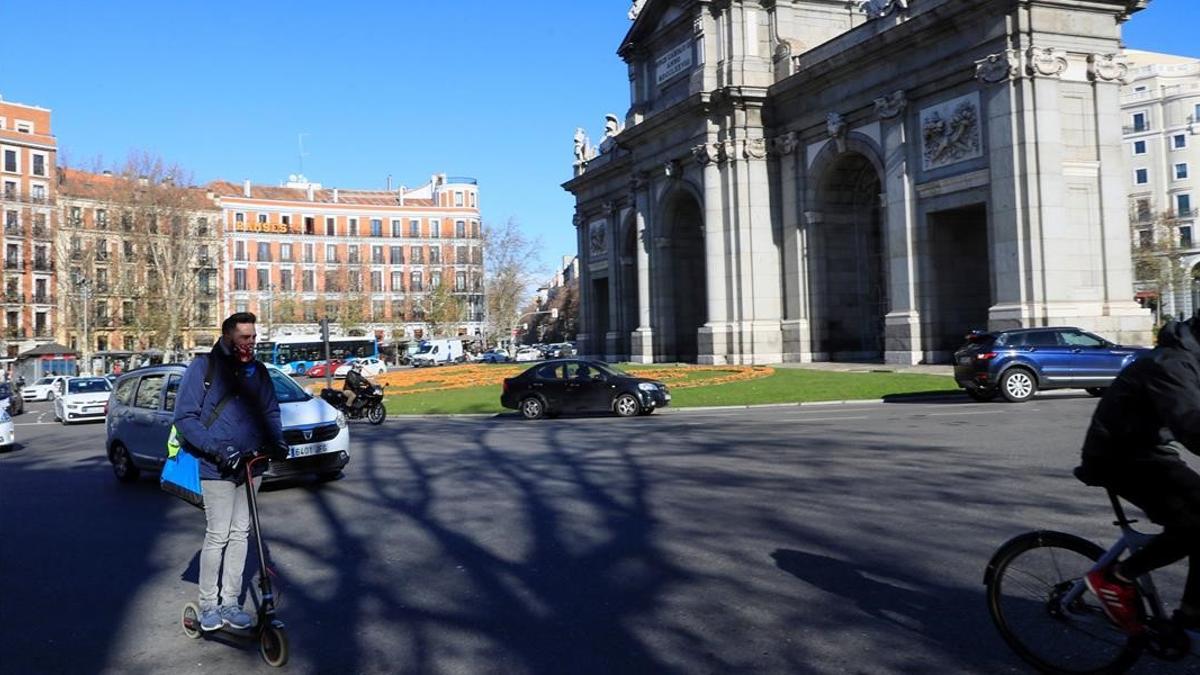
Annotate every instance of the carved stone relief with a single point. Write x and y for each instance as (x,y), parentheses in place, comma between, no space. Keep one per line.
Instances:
(891,105)
(598,239)
(787,143)
(835,124)
(1050,62)
(951,132)
(755,148)
(1107,68)
(1000,67)
(704,154)
(876,9)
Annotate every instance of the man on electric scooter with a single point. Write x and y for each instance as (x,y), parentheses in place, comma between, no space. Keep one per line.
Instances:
(226,411)
(1147,416)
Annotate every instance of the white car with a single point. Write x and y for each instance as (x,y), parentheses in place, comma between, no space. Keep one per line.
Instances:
(82,398)
(43,389)
(370,367)
(527,354)
(8,433)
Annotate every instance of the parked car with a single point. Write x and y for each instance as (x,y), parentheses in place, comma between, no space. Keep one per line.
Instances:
(8,432)
(1018,363)
(438,353)
(13,403)
(494,356)
(142,406)
(577,385)
(319,368)
(526,354)
(370,367)
(81,399)
(43,389)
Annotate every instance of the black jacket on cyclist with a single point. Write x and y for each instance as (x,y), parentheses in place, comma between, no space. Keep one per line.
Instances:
(355,382)
(1151,410)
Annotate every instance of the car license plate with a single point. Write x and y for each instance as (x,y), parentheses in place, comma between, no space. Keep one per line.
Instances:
(94,409)
(306,450)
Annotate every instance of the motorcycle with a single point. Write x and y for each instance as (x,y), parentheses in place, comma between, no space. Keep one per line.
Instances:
(368,405)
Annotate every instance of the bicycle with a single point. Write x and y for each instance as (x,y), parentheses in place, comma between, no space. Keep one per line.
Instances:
(1040,604)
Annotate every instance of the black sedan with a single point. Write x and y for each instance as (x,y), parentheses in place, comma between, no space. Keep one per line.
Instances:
(577,385)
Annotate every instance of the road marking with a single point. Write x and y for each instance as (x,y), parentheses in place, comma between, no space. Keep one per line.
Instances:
(978,412)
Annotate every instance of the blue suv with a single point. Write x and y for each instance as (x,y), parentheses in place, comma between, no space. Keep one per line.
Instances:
(1017,363)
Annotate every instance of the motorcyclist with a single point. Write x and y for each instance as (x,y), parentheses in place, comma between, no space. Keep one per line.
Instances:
(356,385)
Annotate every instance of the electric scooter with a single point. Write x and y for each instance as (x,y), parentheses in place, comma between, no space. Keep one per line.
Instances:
(269,631)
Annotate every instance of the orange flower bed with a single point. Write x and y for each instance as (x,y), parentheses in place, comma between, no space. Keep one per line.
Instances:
(419,380)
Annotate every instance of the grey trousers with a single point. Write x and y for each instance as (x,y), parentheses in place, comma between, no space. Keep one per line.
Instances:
(227,512)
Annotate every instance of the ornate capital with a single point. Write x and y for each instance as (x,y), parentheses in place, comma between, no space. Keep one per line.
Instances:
(1050,62)
(835,124)
(754,148)
(891,105)
(704,154)
(1107,68)
(996,68)
(786,144)
(725,151)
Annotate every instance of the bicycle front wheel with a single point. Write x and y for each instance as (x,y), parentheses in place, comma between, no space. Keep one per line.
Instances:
(1026,582)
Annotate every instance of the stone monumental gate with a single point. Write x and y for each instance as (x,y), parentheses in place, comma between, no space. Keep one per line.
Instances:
(801,180)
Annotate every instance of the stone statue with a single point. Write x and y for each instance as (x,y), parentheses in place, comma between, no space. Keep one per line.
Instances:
(612,127)
(875,9)
(636,9)
(584,152)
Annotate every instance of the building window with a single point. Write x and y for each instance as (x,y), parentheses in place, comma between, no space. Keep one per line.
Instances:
(460,229)
(331,282)
(377,255)
(435,228)
(264,252)
(239,217)
(262,218)
(10,161)
(1181,171)
(1139,122)
(396,255)
(460,281)
(458,198)
(376,282)
(397,282)
(397,228)
(331,253)
(471,196)
(1183,205)
(398,310)
(1145,239)
(1179,141)
(435,280)
(286,220)
(414,228)
(435,255)
(264,279)
(354,227)
(418,255)
(239,279)
(285,280)
(10,189)
(1141,176)
(102,219)
(310,225)
(39,164)
(308,254)
(330,227)
(353,259)
(309,280)
(285,252)
(75,216)
(376,227)
(1139,147)
(1185,236)
(414,282)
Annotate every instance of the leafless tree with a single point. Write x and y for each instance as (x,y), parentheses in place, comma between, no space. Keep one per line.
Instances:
(510,268)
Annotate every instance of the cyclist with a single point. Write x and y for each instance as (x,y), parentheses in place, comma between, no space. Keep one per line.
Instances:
(1149,413)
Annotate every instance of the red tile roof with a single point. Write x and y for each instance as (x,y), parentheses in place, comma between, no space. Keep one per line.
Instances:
(86,185)
(224,188)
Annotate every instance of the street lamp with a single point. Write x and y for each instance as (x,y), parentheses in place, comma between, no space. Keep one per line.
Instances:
(83,286)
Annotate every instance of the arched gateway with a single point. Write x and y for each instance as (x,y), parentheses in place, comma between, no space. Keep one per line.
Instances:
(873,197)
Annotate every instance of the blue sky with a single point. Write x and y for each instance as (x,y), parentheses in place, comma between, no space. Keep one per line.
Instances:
(484,88)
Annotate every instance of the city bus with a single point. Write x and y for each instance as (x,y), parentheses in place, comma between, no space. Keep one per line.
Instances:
(295,354)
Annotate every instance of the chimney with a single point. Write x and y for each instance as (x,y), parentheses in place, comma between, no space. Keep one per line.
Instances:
(310,192)
(246,188)
(389,183)
(400,196)
(335,195)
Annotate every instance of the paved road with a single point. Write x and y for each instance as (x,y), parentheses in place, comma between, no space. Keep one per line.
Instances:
(825,539)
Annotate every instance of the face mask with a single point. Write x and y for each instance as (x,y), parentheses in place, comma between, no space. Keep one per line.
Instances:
(244,353)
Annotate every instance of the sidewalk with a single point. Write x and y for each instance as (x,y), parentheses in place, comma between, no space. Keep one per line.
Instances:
(848,367)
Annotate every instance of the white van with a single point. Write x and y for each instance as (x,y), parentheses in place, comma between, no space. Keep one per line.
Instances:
(438,353)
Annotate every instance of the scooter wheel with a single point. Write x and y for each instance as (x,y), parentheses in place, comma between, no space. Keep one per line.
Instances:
(190,620)
(273,645)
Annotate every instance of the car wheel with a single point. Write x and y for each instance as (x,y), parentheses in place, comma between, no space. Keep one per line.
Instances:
(627,406)
(982,395)
(532,408)
(122,463)
(1018,385)
(1095,391)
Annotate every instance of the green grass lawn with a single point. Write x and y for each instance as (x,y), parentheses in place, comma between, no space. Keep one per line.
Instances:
(787,385)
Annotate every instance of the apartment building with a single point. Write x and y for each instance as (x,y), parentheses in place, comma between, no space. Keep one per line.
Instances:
(1161,108)
(368,259)
(28,153)
(139,263)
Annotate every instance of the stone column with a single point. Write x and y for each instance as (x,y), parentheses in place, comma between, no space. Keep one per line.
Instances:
(758,291)
(584,335)
(902,325)
(797,332)
(612,339)
(713,340)
(641,340)
(1130,323)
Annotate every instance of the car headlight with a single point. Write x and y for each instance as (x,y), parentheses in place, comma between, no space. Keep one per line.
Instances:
(646,386)
(341,421)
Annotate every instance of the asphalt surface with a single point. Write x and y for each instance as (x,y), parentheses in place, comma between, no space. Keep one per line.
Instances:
(826,539)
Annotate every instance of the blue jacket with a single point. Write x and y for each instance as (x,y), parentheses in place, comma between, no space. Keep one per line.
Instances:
(249,419)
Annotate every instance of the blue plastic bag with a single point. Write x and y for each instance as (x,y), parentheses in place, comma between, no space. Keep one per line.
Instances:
(181,477)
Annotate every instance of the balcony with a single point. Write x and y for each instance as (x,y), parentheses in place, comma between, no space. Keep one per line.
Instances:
(14,298)
(41,232)
(35,200)
(43,266)
(1135,128)
(41,299)
(42,332)
(12,264)
(14,333)
(102,322)
(208,292)
(13,230)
